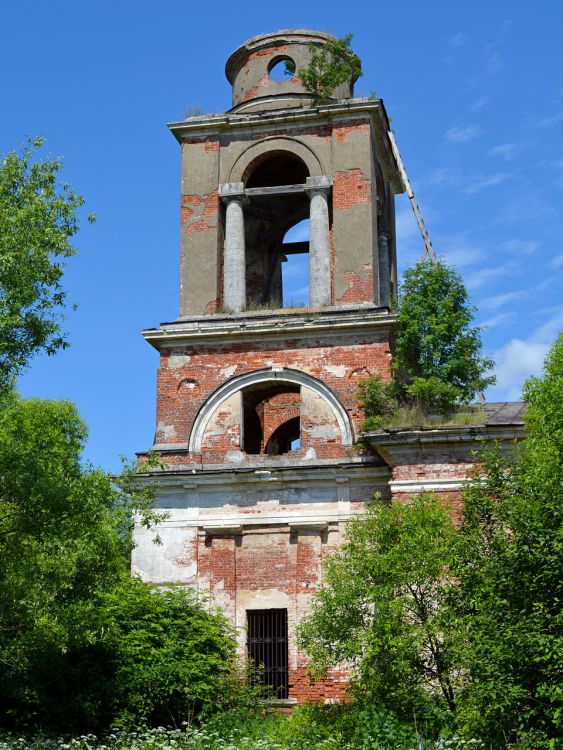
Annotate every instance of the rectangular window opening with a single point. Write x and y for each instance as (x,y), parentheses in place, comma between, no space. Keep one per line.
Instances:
(267,645)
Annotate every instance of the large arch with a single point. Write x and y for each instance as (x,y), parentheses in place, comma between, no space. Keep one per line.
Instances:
(275,143)
(279,375)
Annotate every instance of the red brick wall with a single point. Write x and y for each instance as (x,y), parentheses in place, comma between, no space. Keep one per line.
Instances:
(241,572)
(338,366)
(276,411)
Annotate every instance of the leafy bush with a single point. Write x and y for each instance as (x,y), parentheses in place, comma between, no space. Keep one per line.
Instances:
(81,644)
(382,609)
(332,64)
(508,561)
(376,400)
(170,658)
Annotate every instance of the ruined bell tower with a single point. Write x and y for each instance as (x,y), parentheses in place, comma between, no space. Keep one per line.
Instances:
(257,417)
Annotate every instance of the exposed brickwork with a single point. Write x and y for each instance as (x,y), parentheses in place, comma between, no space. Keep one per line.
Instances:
(198,213)
(342,131)
(212,366)
(276,410)
(210,142)
(277,567)
(350,188)
(360,289)
(304,688)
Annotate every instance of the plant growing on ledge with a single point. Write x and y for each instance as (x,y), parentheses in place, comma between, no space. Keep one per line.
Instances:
(438,364)
(438,357)
(331,65)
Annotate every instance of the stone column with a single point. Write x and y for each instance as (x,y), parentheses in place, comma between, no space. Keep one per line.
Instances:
(234,259)
(383,238)
(318,188)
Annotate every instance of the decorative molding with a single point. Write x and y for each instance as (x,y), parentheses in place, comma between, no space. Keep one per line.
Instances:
(427,485)
(252,326)
(285,375)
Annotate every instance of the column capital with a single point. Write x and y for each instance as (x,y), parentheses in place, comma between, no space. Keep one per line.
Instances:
(318,184)
(231,191)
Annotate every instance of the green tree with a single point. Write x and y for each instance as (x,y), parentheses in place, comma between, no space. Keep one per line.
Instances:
(438,357)
(63,540)
(382,608)
(509,561)
(38,218)
(171,659)
(332,64)
(81,643)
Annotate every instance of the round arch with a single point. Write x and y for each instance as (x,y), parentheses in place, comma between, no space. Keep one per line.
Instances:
(279,375)
(275,143)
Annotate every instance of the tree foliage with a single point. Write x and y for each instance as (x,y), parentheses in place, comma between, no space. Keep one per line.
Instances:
(332,64)
(81,643)
(38,218)
(381,608)
(466,618)
(438,358)
(509,563)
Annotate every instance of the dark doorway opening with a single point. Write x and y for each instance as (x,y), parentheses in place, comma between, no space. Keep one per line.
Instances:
(267,647)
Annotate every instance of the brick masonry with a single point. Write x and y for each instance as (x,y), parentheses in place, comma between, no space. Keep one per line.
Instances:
(248,529)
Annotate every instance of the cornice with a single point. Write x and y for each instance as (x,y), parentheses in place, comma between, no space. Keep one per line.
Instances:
(267,325)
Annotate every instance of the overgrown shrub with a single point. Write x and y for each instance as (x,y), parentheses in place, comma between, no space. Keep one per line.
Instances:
(332,64)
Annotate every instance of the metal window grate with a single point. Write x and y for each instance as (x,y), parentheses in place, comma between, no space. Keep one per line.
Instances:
(267,646)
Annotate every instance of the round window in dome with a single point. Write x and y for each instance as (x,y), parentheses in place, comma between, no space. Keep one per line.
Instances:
(281,69)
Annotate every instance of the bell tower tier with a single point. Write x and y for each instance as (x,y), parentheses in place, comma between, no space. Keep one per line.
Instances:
(250,175)
(257,411)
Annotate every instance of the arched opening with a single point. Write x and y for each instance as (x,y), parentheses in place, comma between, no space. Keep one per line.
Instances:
(281,69)
(271,418)
(308,394)
(277,201)
(276,168)
(284,438)
(295,266)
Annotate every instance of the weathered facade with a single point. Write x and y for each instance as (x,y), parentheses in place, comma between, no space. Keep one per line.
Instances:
(257,417)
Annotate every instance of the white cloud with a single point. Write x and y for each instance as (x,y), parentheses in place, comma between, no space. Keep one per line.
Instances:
(549,122)
(444,176)
(500,321)
(521,247)
(492,58)
(516,361)
(457,40)
(493,303)
(458,250)
(480,183)
(505,150)
(479,103)
(483,276)
(556,262)
(521,358)
(462,134)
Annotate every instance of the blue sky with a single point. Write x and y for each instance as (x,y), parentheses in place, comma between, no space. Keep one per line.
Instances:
(475,91)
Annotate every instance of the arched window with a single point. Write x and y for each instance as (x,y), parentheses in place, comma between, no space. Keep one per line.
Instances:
(274,184)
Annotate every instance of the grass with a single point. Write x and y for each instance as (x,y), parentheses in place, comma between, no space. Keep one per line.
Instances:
(309,727)
(413,415)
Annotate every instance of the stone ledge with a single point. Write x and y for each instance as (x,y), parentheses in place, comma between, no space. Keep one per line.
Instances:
(273,324)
